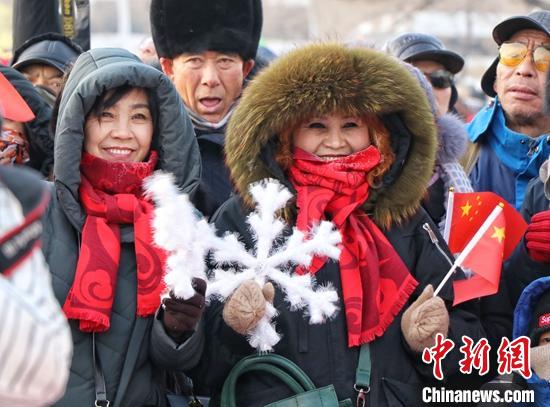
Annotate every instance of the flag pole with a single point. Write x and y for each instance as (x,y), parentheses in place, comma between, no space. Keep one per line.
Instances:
(470,246)
(449,217)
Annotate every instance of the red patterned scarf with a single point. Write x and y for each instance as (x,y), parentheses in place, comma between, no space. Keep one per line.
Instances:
(375,282)
(111,194)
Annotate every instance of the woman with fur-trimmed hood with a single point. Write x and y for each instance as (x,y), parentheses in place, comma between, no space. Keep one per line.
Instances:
(351,134)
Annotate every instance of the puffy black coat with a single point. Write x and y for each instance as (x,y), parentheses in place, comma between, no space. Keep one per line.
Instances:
(134,352)
(398,374)
(215,186)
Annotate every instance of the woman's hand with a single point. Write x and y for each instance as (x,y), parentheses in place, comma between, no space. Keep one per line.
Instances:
(180,316)
(425,318)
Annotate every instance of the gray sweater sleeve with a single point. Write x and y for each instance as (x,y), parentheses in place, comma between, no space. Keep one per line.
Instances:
(168,354)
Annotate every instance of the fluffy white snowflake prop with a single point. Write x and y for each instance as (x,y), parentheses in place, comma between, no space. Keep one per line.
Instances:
(272,261)
(179,229)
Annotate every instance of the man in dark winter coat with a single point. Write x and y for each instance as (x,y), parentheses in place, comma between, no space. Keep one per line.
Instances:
(510,135)
(207,49)
(531,259)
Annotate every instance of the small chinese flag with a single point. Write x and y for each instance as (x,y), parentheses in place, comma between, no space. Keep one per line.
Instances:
(470,210)
(483,256)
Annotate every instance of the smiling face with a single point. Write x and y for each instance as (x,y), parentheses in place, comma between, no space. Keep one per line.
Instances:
(121,132)
(209,82)
(332,136)
(520,89)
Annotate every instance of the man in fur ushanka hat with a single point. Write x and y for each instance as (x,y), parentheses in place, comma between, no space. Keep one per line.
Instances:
(207,48)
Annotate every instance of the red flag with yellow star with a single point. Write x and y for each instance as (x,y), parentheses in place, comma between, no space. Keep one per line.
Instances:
(470,210)
(483,257)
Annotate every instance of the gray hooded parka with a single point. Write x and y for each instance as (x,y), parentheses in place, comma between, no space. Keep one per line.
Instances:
(134,352)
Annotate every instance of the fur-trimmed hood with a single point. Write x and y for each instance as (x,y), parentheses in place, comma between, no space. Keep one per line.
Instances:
(324,78)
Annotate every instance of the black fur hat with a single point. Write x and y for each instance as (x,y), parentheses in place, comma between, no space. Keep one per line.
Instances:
(180,26)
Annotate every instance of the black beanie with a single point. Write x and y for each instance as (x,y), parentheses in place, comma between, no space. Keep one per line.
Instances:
(186,26)
(540,321)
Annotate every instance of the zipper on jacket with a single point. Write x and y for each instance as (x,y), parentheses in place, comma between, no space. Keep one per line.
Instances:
(79,241)
(426,226)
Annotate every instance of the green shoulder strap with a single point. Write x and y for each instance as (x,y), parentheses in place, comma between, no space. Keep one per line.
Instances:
(362,375)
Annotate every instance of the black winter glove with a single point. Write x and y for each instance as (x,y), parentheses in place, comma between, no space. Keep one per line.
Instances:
(180,316)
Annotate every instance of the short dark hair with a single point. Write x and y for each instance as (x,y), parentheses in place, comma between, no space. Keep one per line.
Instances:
(111,96)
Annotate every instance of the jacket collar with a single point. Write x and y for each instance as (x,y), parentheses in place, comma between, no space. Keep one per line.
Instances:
(480,123)
(520,153)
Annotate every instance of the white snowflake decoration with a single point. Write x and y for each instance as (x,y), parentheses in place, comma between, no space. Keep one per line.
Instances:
(273,262)
(179,229)
(187,238)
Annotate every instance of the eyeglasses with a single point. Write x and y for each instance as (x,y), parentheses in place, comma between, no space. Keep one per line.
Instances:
(513,53)
(440,79)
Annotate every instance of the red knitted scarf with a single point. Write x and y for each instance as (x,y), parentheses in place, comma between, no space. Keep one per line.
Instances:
(375,282)
(111,195)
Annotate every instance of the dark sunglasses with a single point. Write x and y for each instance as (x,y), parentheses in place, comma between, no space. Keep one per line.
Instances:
(440,79)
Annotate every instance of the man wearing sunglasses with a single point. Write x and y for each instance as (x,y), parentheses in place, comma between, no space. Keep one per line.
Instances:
(511,135)
(437,63)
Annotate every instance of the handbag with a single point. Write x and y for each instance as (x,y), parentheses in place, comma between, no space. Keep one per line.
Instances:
(306,394)
(177,400)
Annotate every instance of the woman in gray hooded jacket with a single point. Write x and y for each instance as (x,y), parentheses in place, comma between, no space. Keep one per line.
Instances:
(118,121)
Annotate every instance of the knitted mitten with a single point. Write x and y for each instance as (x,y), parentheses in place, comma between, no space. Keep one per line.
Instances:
(246,306)
(425,318)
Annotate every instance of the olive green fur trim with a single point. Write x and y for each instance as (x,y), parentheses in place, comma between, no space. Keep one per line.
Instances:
(321,79)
